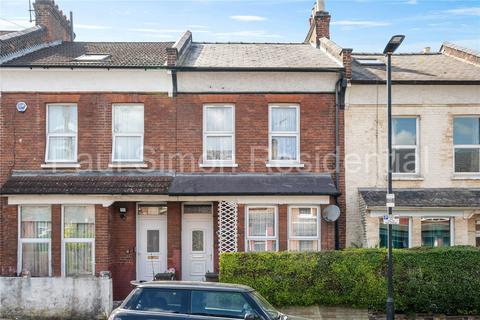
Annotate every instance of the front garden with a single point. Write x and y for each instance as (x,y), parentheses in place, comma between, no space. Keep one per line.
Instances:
(440,280)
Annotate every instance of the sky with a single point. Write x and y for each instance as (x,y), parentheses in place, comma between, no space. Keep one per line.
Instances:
(364,25)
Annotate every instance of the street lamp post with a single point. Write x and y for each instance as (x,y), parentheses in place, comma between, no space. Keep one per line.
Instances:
(392,45)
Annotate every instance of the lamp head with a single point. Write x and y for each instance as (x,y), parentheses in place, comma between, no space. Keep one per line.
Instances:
(393,44)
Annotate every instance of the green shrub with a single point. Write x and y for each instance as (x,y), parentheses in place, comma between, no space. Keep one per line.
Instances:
(441,280)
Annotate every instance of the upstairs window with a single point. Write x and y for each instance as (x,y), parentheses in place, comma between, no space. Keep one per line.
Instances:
(466,140)
(218,134)
(35,240)
(61,133)
(405,145)
(128,133)
(284,134)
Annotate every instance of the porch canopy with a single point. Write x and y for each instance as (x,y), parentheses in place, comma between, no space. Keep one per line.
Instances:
(424,197)
(252,184)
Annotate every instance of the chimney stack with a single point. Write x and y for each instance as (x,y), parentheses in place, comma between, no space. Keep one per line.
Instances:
(49,16)
(320,22)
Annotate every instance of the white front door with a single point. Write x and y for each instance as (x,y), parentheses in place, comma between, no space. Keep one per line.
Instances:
(197,246)
(152,246)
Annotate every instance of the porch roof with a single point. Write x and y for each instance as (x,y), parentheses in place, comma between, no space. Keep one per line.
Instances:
(86,183)
(252,184)
(424,197)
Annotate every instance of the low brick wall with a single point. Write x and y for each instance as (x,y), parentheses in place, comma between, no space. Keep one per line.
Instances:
(77,298)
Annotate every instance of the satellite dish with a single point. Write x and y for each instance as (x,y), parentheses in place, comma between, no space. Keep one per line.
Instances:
(331,213)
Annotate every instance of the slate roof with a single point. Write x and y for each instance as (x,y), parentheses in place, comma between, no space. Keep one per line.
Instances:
(257,55)
(91,183)
(415,67)
(161,183)
(252,184)
(426,197)
(122,54)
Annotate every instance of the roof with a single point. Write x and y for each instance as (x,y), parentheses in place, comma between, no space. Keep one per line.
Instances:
(415,67)
(257,55)
(425,197)
(252,184)
(164,183)
(195,285)
(86,183)
(121,54)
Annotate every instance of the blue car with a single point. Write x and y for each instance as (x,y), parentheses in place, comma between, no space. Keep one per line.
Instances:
(195,300)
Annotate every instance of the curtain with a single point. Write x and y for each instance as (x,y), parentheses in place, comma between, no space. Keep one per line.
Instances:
(78,258)
(61,148)
(35,259)
(303,222)
(466,130)
(79,222)
(219,119)
(128,119)
(62,119)
(261,222)
(284,119)
(284,148)
(436,232)
(467,160)
(128,148)
(219,148)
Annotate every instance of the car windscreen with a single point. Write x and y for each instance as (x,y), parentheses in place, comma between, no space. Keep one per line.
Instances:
(159,300)
(265,305)
(219,304)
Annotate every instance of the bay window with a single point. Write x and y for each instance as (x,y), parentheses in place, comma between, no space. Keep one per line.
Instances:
(436,232)
(405,145)
(35,240)
(61,133)
(218,135)
(466,140)
(400,234)
(78,246)
(261,229)
(284,134)
(128,131)
(303,229)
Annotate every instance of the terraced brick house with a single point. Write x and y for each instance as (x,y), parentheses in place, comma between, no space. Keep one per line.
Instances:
(136,158)
(436,118)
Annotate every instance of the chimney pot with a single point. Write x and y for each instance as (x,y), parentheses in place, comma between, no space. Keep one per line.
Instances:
(426,50)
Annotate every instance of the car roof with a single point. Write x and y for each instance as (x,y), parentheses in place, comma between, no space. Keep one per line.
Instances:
(197,285)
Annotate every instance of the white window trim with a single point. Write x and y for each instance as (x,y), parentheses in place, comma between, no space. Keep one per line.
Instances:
(317,237)
(463,146)
(206,134)
(416,147)
(260,238)
(77,240)
(21,240)
(131,135)
(271,133)
(48,135)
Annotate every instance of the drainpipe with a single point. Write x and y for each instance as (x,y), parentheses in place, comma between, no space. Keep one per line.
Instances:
(339,98)
(174,83)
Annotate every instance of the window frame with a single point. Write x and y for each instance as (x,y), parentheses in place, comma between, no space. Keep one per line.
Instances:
(48,135)
(309,238)
(463,146)
(403,146)
(77,240)
(451,225)
(21,240)
(206,134)
(272,133)
(131,134)
(260,238)
(410,229)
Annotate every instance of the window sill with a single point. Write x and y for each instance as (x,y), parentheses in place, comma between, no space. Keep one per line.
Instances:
(127,165)
(466,176)
(285,165)
(60,165)
(218,165)
(407,177)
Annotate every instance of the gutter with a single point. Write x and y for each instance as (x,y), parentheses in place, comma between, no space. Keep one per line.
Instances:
(420,82)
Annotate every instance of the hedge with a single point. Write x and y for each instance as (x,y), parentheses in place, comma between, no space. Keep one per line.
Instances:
(440,280)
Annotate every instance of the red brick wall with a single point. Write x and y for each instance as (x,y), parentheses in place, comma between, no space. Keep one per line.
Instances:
(56,240)
(174,237)
(9,227)
(283,227)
